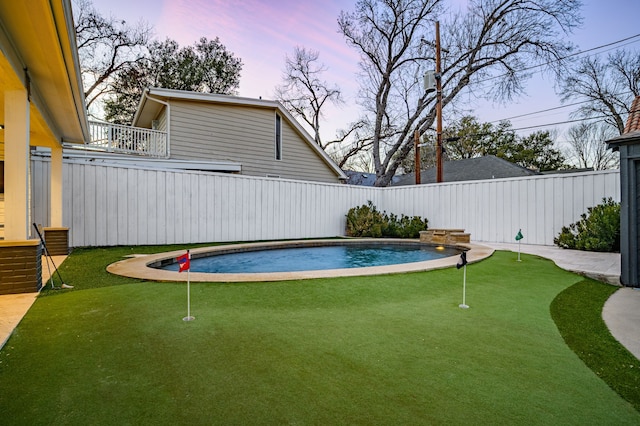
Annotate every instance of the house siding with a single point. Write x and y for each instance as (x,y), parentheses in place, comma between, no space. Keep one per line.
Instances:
(162,120)
(245,135)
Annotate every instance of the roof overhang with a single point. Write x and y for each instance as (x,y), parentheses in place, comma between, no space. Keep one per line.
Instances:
(631,138)
(38,53)
(153,99)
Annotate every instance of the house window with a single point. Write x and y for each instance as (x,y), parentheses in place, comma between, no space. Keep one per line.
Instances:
(278,141)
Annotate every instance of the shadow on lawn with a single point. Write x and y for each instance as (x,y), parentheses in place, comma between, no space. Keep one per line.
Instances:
(577,311)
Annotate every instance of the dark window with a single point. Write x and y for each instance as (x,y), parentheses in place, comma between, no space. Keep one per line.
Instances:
(278,137)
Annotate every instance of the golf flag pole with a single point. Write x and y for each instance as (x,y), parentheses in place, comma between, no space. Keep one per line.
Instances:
(462,263)
(185,265)
(519,236)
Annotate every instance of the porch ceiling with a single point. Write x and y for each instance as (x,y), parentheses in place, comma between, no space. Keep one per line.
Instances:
(39,35)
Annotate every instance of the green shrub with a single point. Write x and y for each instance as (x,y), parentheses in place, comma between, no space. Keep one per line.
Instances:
(597,230)
(411,226)
(367,221)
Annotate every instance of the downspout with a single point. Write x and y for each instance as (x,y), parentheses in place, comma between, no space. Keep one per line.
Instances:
(168,122)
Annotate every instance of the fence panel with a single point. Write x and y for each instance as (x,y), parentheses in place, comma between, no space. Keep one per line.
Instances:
(494,210)
(121,205)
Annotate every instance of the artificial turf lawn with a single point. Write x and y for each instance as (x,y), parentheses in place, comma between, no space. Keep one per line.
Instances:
(390,349)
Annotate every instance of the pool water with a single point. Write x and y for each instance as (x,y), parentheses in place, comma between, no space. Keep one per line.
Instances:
(316,258)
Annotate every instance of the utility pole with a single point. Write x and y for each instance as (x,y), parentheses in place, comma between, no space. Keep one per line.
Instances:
(416,145)
(429,78)
(438,108)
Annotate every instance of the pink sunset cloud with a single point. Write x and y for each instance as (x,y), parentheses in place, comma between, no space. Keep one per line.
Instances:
(263,32)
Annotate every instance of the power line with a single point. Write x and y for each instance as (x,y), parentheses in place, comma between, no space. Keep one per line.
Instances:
(572,121)
(340,149)
(539,112)
(561,59)
(553,108)
(626,39)
(561,122)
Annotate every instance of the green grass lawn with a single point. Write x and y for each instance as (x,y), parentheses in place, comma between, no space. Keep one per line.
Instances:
(392,349)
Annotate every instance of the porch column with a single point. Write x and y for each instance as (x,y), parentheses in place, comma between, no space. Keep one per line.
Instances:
(16,165)
(56,187)
(56,237)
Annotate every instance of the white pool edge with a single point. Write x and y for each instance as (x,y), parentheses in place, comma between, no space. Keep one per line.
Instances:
(138,267)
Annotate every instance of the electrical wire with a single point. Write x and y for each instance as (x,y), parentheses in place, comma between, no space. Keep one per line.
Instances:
(559,123)
(613,43)
(626,39)
(341,149)
(551,109)
(539,112)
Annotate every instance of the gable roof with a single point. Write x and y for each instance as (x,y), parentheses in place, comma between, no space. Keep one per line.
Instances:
(633,121)
(153,99)
(631,133)
(480,168)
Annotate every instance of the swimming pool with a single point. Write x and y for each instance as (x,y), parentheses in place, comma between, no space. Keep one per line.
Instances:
(316,258)
(145,267)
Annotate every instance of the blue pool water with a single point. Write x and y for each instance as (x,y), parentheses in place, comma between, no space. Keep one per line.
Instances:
(316,258)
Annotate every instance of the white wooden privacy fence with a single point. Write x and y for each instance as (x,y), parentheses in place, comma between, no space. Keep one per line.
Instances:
(116,205)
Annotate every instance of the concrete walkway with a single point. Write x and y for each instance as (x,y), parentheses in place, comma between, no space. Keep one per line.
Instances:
(621,312)
(13,307)
(600,266)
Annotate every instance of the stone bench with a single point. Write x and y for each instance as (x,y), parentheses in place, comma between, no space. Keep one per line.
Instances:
(444,236)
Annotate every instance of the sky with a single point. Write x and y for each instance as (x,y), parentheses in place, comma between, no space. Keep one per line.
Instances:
(262,32)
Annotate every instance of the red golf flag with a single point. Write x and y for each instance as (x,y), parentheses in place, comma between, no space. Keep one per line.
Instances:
(184,261)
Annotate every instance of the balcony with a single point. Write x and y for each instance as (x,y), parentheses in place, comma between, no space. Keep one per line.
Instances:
(121,139)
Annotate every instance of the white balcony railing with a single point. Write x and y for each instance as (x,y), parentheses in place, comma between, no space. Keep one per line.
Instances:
(121,139)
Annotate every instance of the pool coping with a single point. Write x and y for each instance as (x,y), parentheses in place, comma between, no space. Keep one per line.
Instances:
(138,266)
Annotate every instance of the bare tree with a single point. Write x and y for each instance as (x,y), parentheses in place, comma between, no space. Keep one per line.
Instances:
(494,38)
(303,91)
(349,148)
(588,149)
(607,86)
(305,95)
(105,46)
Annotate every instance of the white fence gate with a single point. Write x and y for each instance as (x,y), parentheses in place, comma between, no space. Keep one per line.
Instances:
(119,205)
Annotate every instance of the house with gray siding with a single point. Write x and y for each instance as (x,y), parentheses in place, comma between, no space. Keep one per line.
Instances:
(258,137)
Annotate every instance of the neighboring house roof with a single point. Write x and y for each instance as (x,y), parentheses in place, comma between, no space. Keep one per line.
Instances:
(487,167)
(39,36)
(631,133)
(153,99)
(360,178)
(363,178)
